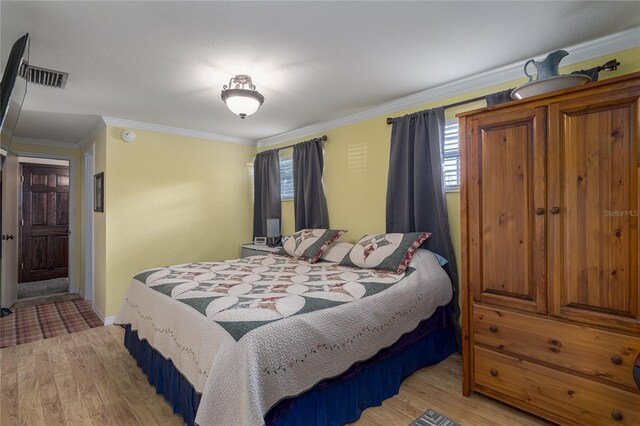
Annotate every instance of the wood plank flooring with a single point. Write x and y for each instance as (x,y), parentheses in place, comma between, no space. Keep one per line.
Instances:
(89,378)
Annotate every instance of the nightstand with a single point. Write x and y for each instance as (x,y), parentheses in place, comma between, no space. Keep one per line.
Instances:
(251,249)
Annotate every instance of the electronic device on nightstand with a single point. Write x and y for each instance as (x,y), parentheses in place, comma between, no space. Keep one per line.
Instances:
(260,241)
(273,232)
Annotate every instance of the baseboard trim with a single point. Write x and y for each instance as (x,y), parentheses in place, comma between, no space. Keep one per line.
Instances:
(98,313)
(105,320)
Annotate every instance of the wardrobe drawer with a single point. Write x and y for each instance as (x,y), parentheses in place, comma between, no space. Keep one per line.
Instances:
(577,400)
(598,353)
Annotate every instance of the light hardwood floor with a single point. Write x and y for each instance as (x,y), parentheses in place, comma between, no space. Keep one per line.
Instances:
(89,378)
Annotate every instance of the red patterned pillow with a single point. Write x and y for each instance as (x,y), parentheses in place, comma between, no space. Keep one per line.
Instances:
(391,252)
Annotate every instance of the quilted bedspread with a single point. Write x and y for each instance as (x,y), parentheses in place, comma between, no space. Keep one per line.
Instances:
(247,333)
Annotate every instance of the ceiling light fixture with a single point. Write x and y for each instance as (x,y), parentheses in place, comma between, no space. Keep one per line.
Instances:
(241,96)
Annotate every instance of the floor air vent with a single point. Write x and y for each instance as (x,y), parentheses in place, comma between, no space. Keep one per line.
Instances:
(44,76)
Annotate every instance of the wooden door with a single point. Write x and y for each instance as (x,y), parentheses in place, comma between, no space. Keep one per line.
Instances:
(45,229)
(506,192)
(593,178)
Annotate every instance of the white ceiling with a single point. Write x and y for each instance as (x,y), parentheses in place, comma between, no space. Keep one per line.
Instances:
(166,62)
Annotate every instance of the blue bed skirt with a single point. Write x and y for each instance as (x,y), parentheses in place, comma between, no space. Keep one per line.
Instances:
(333,401)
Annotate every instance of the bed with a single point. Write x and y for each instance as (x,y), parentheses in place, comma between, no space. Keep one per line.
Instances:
(275,340)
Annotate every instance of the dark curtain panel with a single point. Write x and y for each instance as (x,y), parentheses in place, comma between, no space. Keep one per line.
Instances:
(266,200)
(499,97)
(309,204)
(594,73)
(416,198)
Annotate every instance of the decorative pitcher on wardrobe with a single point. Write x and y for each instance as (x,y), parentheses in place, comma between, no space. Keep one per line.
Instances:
(547,68)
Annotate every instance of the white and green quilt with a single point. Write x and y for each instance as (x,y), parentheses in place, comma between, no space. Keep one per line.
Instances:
(249,332)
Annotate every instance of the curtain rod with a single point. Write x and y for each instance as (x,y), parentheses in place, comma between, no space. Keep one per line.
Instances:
(322,138)
(455,104)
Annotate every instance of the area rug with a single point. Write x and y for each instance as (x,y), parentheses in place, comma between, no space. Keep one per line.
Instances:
(431,418)
(43,288)
(30,323)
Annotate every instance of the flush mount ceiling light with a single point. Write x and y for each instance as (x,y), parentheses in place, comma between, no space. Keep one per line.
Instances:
(241,96)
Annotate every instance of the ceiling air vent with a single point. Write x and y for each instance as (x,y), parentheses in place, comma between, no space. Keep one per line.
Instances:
(44,76)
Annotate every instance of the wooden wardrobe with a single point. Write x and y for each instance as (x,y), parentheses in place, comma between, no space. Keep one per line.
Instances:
(550,205)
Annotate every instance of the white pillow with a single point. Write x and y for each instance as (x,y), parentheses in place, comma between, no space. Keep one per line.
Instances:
(337,252)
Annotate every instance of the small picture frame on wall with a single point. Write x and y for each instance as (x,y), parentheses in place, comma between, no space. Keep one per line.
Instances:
(98,192)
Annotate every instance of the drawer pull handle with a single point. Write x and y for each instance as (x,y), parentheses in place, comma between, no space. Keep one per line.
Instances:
(555,210)
(493,373)
(616,359)
(616,415)
(539,211)
(493,329)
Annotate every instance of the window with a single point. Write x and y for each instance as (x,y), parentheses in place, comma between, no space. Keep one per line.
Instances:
(286,178)
(451,157)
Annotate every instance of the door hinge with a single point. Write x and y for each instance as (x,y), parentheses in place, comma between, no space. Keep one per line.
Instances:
(22,178)
(21,265)
(22,222)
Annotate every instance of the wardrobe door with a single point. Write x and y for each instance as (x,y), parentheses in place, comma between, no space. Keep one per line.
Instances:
(507,195)
(593,198)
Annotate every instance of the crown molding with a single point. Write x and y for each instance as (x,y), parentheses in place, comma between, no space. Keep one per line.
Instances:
(44,142)
(31,158)
(579,52)
(121,122)
(91,133)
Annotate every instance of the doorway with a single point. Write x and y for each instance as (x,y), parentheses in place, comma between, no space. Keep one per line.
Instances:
(44,227)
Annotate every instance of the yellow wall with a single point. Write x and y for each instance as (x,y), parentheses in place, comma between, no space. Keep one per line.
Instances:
(357,156)
(171,199)
(79,178)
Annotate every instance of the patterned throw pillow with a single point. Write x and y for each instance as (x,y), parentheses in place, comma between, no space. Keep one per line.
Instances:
(391,252)
(310,244)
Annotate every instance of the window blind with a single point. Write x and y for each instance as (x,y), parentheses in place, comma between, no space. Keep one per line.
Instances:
(286,178)
(451,166)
